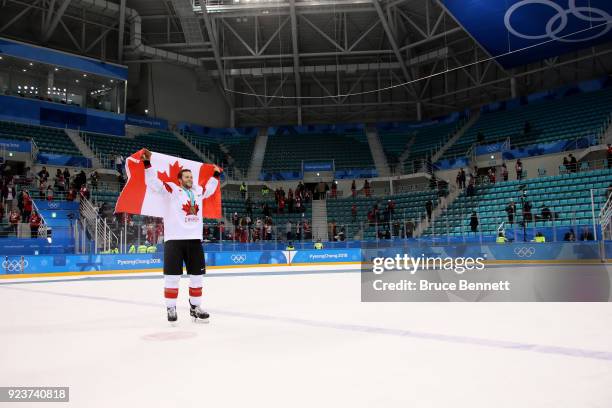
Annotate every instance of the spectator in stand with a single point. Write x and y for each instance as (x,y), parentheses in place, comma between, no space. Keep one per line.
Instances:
(566,163)
(243,190)
(42,188)
(609,155)
(8,194)
(43,174)
(290,202)
(67,177)
(50,193)
(14,218)
(504,172)
(35,221)
(366,187)
(334,189)
(59,181)
(1,211)
(519,169)
(93,180)
(353,189)
(354,212)
(511,210)
(27,206)
(587,234)
(20,202)
(299,208)
(235,220)
(429,209)
(80,179)
(527,216)
(29,175)
(265,190)
(570,236)
(471,189)
(491,176)
(119,163)
(409,227)
(84,192)
(281,205)
(573,163)
(71,196)
(391,208)
(546,214)
(474,222)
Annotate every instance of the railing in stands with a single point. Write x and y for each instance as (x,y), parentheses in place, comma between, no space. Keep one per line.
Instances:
(104,238)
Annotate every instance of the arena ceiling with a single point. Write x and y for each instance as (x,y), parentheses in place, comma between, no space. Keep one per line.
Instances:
(302,61)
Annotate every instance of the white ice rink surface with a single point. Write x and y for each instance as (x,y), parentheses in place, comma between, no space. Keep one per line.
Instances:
(299,341)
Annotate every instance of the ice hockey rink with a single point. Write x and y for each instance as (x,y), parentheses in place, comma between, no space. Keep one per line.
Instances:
(298,340)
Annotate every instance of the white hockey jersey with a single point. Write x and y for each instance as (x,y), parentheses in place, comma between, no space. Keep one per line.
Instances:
(183,207)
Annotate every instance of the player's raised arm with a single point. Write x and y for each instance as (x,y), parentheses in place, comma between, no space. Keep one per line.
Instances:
(153,182)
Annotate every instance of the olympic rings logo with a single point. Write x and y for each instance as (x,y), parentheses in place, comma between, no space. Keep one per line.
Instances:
(53,205)
(14,265)
(238,258)
(524,252)
(557,23)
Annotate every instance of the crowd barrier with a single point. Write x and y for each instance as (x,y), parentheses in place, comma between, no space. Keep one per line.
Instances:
(241,257)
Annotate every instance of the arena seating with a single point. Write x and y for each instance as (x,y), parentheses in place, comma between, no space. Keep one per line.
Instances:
(48,140)
(426,140)
(568,196)
(286,152)
(159,141)
(562,119)
(408,206)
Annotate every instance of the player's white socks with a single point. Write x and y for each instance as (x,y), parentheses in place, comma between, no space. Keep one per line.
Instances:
(171,285)
(195,290)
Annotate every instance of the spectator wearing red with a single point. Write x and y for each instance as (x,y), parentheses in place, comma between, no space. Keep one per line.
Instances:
(27,206)
(491,176)
(14,218)
(353,189)
(50,193)
(391,207)
(35,221)
(84,192)
(354,212)
(334,189)
(71,196)
(366,188)
(281,205)
(519,169)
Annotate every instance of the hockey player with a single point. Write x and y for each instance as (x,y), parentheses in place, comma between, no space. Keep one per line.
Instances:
(182,235)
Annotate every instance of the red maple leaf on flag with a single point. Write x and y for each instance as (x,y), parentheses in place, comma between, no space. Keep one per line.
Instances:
(187,207)
(172,177)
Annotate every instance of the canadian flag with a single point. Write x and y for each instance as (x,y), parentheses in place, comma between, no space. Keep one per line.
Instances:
(136,199)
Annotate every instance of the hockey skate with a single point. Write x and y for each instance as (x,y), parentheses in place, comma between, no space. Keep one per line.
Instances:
(172,316)
(198,314)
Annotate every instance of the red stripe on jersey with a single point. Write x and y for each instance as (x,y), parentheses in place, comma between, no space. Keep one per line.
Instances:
(195,292)
(171,293)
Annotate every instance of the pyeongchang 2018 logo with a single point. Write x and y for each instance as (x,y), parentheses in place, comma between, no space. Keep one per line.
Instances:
(556,26)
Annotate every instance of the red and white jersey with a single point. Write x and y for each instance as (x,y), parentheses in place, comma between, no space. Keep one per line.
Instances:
(182,208)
